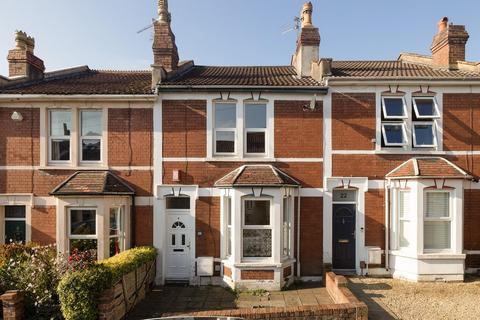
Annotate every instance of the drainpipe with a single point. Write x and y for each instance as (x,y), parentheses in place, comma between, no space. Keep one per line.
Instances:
(133,239)
(298,232)
(387,224)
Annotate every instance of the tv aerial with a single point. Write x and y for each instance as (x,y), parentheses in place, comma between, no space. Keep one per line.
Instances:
(295,26)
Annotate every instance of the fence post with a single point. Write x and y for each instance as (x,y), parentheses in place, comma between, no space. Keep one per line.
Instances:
(13,307)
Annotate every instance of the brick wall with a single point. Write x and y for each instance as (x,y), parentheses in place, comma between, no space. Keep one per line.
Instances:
(19,141)
(375,218)
(353,121)
(471,234)
(184,128)
(298,132)
(44,225)
(257,274)
(460,121)
(207,221)
(130,136)
(143,225)
(311,236)
(206,173)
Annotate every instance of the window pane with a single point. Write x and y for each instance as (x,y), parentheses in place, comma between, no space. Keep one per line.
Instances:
(82,222)
(436,235)
(424,134)
(83,245)
(225,115)
(394,107)
(225,141)
(255,142)
(15,231)
(228,205)
(405,234)
(437,205)
(229,241)
(178,203)
(116,222)
(60,149)
(404,204)
(394,133)
(15,212)
(255,116)
(425,107)
(91,150)
(257,213)
(91,123)
(257,243)
(60,123)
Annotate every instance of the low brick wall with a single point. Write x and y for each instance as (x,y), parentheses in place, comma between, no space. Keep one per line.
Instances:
(346,307)
(13,305)
(117,301)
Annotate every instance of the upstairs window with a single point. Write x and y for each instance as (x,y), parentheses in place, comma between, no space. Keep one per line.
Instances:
(60,126)
(255,128)
(425,108)
(394,108)
(394,134)
(225,128)
(91,135)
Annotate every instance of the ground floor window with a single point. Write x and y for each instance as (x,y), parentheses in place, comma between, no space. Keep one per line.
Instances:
(82,231)
(228,220)
(437,221)
(256,229)
(287,226)
(405,233)
(117,231)
(15,224)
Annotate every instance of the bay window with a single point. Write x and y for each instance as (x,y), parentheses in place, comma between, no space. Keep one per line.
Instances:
(286,226)
(82,230)
(117,231)
(228,231)
(255,128)
(256,229)
(225,128)
(406,229)
(437,221)
(60,126)
(91,135)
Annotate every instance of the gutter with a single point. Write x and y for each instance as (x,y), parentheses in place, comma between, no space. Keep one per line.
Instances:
(78,97)
(404,81)
(289,89)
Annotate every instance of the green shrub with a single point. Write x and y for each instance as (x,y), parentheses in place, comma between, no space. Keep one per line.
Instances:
(79,291)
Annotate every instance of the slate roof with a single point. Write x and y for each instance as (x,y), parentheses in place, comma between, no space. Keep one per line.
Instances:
(274,76)
(396,69)
(256,175)
(429,167)
(86,82)
(93,183)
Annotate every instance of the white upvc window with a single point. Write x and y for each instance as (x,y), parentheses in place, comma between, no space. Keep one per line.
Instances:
(426,108)
(256,229)
(405,226)
(59,138)
(225,133)
(437,221)
(117,231)
(82,229)
(394,107)
(424,134)
(255,135)
(394,134)
(287,227)
(91,132)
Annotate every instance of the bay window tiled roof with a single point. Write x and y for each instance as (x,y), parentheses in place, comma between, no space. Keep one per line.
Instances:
(93,183)
(256,175)
(429,167)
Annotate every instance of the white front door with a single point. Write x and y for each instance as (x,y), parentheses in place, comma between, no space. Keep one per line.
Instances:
(178,246)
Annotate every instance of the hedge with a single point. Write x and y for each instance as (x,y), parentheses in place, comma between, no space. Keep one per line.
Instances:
(79,291)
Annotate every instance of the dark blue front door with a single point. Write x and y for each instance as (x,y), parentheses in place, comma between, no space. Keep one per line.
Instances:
(344,236)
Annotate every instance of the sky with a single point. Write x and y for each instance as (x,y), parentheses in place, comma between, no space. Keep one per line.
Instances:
(103,33)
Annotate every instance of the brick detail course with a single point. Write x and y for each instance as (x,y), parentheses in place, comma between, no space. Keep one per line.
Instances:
(207,221)
(130,137)
(143,225)
(311,236)
(309,174)
(461,128)
(184,128)
(353,121)
(44,221)
(298,132)
(19,141)
(257,274)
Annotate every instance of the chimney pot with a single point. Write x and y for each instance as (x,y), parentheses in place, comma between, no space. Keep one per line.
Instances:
(22,61)
(443,24)
(448,46)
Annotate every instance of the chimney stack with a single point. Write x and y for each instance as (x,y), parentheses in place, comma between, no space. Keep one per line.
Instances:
(165,52)
(448,46)
(22,61)
(308,43)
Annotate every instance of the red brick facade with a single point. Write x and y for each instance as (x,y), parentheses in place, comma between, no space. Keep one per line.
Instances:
(44,225)
(208,223)
(311,236)
(257,275)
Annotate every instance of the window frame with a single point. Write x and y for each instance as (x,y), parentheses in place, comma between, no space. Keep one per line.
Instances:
(70,236)
(220,129)
(286,249)
(401,218)
(404,105)
(434,133)
(448,219)
(435,107)
(51,138)
(81,137)
(255,130)
(228,215)
(404,133)
(270,227)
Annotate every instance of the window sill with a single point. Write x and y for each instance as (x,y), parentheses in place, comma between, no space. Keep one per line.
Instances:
(75,168)
(239,159)
(262,264)
(429,256)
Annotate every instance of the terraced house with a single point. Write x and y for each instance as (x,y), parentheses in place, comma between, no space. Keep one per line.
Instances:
(250,176)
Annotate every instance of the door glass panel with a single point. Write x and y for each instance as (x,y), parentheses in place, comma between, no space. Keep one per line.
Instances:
(173,239)
(15,231)
(180,203)
(183,239)
(17,212)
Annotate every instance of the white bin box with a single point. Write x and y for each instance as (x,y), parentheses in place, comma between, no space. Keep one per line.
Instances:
(374,255)
(205,266)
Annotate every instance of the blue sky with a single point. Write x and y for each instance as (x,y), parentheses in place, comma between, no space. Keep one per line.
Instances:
(102,33)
